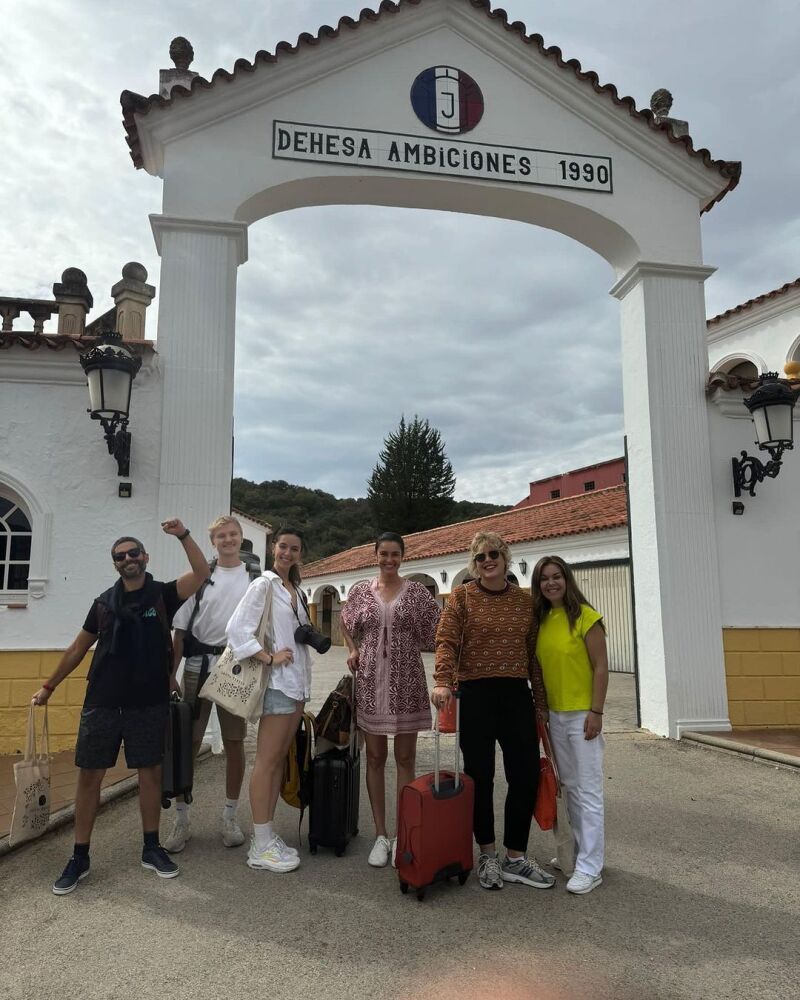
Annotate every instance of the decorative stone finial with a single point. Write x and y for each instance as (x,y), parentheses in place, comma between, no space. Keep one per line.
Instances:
(74,302)
(792,369)
(73,277)
(134,271)
(181,52)
(661,103)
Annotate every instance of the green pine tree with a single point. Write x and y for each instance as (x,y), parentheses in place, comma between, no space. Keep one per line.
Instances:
(411,488)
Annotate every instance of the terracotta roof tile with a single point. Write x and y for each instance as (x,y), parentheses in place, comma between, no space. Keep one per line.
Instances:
(757,301)
(133,104)
(597,511)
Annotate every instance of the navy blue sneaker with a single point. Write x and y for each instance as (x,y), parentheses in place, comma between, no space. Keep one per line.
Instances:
(77,869)
(156,859)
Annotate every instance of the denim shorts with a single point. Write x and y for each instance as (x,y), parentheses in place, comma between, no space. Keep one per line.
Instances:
(277,703)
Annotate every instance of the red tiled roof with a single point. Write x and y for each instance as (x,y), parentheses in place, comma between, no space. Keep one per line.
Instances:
(60,341)
(774,294)
(597,511)
(133,104)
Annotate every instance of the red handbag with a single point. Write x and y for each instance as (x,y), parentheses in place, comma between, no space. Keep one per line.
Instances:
(545,811)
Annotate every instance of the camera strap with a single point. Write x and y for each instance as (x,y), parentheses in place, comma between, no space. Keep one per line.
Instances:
(302,597)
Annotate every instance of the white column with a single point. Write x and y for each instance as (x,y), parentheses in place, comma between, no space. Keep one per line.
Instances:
(196,335)
(674,551)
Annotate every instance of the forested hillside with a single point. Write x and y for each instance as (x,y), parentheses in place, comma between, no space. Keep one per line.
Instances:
(329,524)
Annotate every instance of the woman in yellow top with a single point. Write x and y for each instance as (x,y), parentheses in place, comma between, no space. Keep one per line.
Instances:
(571,649)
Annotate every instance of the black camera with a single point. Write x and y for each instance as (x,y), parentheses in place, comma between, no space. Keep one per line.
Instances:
(309,636)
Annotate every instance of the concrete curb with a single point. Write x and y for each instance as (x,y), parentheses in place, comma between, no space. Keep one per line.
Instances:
(109,794)
(760,753)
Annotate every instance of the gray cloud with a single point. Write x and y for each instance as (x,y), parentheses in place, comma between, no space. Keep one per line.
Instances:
(502,335)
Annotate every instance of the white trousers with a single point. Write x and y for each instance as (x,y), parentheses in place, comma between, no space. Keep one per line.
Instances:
(580,768)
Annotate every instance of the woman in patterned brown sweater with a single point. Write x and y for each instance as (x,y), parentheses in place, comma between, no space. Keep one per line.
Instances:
(485,646)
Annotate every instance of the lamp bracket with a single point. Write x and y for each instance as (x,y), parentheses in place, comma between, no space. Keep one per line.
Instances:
(118,441)
(748,470)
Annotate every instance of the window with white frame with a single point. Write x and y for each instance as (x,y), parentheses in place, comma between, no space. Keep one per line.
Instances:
(15,547)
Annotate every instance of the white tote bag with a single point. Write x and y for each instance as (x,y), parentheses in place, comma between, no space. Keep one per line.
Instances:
(239,685)
(32,778)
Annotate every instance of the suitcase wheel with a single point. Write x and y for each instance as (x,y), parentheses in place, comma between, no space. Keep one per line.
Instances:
(339,852)
(462,878)
(420,894)
(165,802)
(355,832)
(187,798)
(312,847)
(404,887)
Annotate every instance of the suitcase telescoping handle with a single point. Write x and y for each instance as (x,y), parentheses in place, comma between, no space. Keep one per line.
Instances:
(352,741)
(436,752)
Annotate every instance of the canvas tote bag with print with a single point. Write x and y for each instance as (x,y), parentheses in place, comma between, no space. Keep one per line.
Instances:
(239,685)
(32,778)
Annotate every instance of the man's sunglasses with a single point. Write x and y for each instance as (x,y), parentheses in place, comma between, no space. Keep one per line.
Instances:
(483,556)
(127,554)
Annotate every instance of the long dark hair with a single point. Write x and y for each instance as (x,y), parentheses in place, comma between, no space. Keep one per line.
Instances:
(391,536)
(294,570)
(573,598)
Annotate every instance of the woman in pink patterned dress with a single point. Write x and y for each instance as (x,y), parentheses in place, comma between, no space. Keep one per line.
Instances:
(386,623)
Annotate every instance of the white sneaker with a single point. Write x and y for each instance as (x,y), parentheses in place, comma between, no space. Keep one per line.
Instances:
(581,883)
(273,858)
(232,835)
(285,847)
(394,853)
(379,855)
(179,836)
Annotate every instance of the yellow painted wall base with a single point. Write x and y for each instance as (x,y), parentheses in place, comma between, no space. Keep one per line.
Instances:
(21,676)
(762,668)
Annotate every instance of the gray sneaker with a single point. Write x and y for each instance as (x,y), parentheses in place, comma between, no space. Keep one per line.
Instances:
(489,874)
(526,871)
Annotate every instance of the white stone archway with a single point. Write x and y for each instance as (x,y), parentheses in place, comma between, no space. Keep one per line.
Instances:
(222,152)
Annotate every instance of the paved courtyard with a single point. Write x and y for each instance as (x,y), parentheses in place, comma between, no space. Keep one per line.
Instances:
(700,900)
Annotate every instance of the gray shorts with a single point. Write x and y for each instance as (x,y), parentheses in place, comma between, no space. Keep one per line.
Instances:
(103,730)
(277,703)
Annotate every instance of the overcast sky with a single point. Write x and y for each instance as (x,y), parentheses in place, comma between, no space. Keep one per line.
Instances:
(507,341)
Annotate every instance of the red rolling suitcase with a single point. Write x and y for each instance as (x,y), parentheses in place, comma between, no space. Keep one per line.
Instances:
(434,828)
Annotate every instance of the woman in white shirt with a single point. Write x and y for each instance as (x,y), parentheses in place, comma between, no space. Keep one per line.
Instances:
(289,689)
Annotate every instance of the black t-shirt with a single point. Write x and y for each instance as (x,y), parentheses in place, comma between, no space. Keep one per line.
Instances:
(137,675)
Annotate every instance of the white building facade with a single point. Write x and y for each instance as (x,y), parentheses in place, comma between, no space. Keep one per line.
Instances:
(434,105)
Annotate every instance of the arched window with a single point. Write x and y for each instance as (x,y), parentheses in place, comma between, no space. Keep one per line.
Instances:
(15,546)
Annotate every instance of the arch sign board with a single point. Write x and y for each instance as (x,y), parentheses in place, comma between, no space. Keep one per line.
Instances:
(448,101)
(444,104)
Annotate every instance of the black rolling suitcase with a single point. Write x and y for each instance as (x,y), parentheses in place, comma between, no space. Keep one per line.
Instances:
(335,786)
(177,770)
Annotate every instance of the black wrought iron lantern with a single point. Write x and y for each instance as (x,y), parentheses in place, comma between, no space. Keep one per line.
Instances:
(443,575)
(772,409)
(110,370)
(523,567)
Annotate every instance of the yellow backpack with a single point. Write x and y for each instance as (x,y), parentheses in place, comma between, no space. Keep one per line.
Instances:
(296,783)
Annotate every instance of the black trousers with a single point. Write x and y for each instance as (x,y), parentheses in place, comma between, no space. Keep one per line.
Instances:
(500,710)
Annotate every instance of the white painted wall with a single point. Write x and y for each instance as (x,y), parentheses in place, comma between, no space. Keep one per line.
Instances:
(757,551)
(589,547)
(767,334)
(50,446)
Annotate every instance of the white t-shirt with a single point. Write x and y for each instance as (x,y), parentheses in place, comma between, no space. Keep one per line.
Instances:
(217,604)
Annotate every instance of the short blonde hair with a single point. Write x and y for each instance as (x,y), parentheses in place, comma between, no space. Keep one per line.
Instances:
(487,538)
(224,519)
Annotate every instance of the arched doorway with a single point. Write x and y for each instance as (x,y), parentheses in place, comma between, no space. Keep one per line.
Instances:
(230,155)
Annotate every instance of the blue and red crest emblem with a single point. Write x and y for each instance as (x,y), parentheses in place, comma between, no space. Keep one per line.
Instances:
(447,100)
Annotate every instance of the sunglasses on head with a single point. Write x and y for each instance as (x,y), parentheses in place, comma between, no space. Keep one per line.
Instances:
(483,556)
(127,554)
